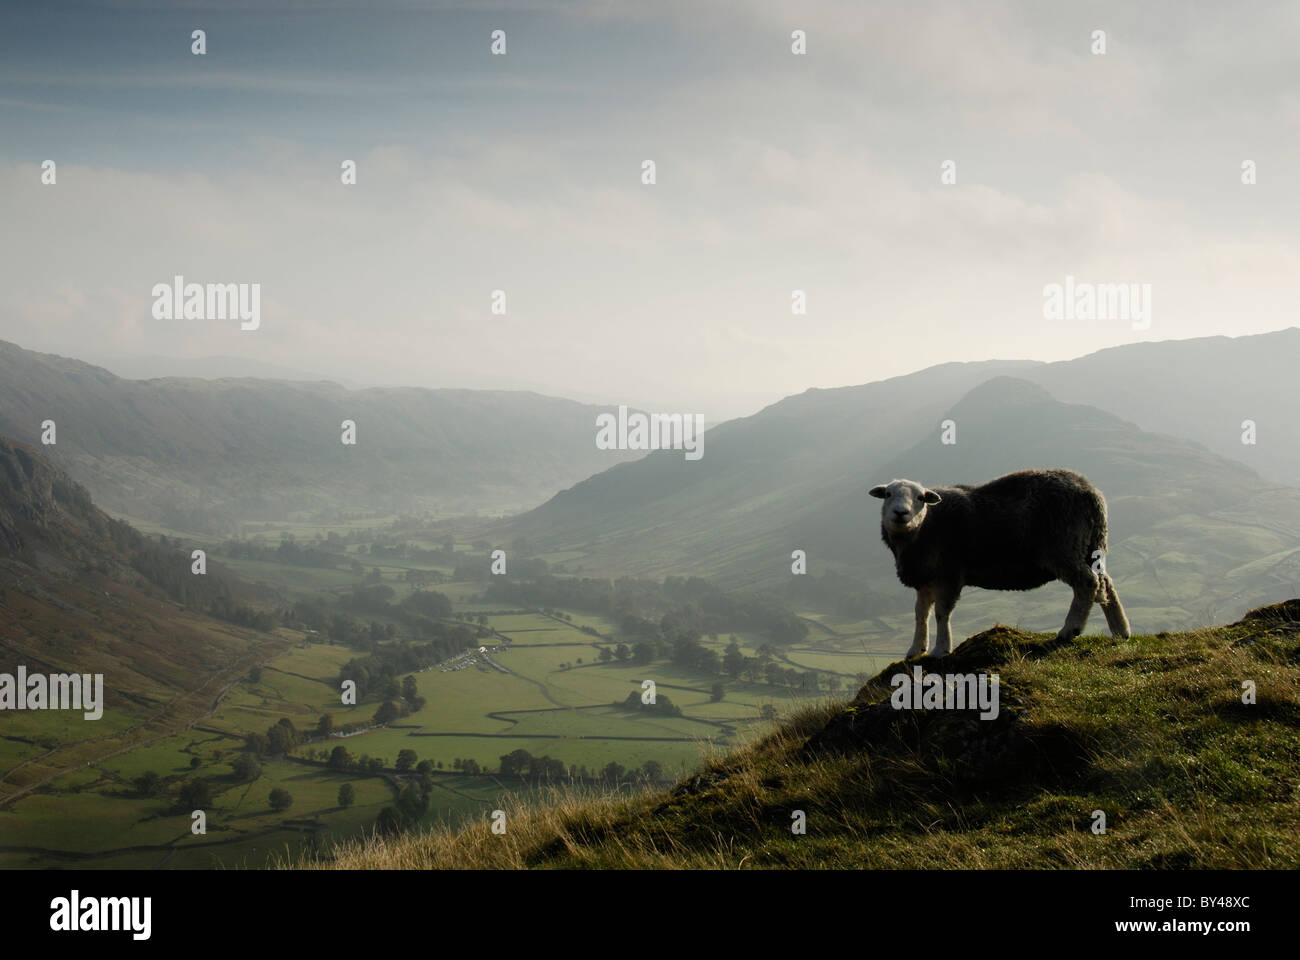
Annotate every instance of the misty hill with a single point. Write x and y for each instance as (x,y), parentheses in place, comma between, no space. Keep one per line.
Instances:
(1201,389)
(82,592)
(204,454)
(1193,532)
(1151,731)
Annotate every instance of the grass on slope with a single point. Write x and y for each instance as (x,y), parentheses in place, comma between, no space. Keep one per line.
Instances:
(1152,731)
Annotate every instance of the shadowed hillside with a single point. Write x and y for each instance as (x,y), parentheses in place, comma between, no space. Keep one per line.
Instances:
(1153,732)
(82,592)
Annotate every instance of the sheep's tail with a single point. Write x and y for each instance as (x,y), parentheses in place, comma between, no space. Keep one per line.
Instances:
(1112,608)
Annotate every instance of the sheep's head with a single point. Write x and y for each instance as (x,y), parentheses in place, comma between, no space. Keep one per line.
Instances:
(905,504)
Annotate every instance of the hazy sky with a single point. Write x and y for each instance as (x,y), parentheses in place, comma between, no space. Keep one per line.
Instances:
(522,172)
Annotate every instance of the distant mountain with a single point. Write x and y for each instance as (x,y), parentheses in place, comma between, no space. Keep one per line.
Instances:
(1201,389)
(204,454)
(1194,534)
(207,368)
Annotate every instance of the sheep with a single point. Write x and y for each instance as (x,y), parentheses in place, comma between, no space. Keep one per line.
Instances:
(1017,532)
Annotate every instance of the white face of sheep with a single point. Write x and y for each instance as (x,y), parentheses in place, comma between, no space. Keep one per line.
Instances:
(905,503)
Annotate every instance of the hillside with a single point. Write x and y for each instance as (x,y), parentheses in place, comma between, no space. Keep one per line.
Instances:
(1152,731)
(207,454)
(1194,536)
(1201,389)
(82,592)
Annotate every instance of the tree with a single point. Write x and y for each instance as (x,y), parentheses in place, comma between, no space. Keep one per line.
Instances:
(325,725)
(280,799)
(279,739)
(195,794)
(605,655)
(613,772)
(733,661)
(652,770)
(346,795)
(622,651)
(410,689)
(246,767)
(514,763)
(340,759)
(387,712)
(717,692)
(147,783)
(405,760)
(389,822)
(413,802)
(195,763)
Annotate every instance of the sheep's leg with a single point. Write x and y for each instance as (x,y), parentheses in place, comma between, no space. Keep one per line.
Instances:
(945,600)
(1114,610)
(921,637)
(1086,585)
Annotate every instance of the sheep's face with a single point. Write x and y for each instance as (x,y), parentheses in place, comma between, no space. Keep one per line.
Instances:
(905,504)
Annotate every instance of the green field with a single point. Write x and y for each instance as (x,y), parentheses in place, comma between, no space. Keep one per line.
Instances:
(557,699)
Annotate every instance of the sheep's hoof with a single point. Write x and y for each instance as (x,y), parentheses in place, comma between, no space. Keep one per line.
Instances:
(914,653)
(1068,633)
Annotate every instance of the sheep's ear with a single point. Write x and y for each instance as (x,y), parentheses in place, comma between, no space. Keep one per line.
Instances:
(879,492)
(930,497)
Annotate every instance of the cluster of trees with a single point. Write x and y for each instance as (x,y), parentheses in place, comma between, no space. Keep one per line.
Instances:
(403,551)
(166,564)
(424,613)
(655,611)
(376,674)
(411,806)
(224,608)
(836,592)
(289,551)
(522,765)
(344,762)
(280,738)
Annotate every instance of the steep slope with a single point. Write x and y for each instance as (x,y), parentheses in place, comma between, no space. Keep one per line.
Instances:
(207,453)
(80,592)
(1152,731)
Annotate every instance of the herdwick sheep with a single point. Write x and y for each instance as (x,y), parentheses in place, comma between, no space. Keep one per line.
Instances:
(1017,532)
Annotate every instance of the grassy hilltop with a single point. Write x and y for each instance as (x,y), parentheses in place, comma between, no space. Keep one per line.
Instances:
(1152,731)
